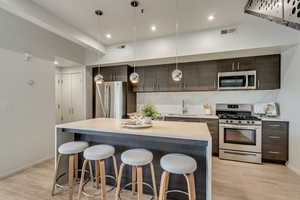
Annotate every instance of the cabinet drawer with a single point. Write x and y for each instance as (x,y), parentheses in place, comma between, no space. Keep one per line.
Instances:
(275,152)
(275,126)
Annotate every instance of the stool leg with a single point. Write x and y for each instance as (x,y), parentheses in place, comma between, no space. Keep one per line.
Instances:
(82,178)
(153,181)
(140,182)
(91,173)
(164,185)
(133,179)
(119,181)
(71,175)
(115,167)
(191,186)
(97,173)
(103,179)
(55,174)
(76,167)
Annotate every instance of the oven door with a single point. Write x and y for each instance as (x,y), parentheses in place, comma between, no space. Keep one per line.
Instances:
(232,81)
(240,137)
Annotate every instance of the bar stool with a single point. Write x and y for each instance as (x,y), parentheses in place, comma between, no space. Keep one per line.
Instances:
(137,158)
(98,153)
(179,164)
(72,150)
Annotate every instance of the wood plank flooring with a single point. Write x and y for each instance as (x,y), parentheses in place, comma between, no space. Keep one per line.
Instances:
(231,181)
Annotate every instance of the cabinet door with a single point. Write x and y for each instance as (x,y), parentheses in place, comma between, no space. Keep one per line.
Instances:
(149,79)
(175,86)
(268,72)
(191,76)
(245,64)
(107,74)
(66,107)
(162,78)
(139,87)
(227,65)
(208,76)
(77,97)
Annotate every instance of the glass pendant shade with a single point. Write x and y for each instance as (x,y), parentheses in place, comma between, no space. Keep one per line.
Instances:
(99,79)
(177,75)
(134,78)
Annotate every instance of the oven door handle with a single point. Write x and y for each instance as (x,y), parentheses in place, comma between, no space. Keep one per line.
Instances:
(240,126)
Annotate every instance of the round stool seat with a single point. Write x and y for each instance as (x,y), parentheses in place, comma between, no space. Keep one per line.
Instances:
(99,152)
(178,164)
(137,157)
(72,147)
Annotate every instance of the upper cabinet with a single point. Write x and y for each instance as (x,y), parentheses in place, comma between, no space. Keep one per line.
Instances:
(198,76)
(268,72)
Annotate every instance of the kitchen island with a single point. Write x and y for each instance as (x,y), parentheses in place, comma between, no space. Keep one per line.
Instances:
(192,139)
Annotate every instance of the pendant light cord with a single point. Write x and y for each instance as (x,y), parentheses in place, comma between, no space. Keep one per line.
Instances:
(176,34)
(135,25)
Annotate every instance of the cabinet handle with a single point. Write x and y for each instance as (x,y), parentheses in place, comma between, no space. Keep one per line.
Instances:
(274,137)
(274,125)
(273,152)
(232,66)
(238,67)
(258,84)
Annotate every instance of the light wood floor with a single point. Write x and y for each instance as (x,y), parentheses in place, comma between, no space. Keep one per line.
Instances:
(231,181)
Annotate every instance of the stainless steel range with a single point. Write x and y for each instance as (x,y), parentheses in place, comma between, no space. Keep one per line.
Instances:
(240,133)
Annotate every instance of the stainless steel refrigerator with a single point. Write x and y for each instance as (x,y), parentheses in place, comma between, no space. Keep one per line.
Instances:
(111,100)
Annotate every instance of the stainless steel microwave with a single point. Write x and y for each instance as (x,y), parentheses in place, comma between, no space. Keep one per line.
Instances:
(240,80)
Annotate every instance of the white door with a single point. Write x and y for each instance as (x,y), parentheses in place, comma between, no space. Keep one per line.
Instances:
(66,103)
(77,97)
(58,98)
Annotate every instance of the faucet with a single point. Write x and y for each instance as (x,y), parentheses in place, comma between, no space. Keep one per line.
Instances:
(183,108)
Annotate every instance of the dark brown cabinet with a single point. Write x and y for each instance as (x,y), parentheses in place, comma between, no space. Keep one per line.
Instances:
(118,73)
(275,141)
(203,76)
(237,64)
(213,126)
(268,72)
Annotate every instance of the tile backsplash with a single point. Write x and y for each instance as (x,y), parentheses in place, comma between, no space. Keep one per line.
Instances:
(171,102)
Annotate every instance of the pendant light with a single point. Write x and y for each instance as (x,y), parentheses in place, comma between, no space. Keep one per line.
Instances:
(134,77)
(99,79)
(177,73)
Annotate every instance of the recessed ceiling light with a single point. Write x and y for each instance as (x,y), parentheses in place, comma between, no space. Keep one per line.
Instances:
(153,28)
(108,36)
(56,62)
(211,17)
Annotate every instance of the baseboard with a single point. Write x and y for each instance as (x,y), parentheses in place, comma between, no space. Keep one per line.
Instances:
(15,171)
(294,169)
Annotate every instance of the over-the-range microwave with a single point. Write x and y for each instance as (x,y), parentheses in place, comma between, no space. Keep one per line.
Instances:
(240,80)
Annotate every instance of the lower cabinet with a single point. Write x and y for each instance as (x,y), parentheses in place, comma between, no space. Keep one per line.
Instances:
(213,126)
(275,141)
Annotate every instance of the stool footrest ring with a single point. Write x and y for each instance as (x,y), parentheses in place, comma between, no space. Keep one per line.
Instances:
(129,184)
(98,194)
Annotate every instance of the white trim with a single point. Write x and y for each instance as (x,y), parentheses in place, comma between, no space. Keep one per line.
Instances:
(296,170)
(17,170)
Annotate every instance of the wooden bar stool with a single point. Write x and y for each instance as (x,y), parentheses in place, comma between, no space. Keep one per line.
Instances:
(137,158)
(72,150)
(98,153)
(181,165)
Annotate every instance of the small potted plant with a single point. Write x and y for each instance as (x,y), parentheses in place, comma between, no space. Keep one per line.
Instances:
(149,112)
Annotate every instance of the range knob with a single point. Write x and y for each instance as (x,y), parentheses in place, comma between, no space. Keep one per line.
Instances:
(231,121)
(240,122)
(253,122)
(248,122)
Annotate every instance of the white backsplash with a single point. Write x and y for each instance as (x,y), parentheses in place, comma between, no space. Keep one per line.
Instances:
(171,102)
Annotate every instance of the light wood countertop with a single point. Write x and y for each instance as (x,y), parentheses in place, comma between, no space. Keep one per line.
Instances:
(181,130)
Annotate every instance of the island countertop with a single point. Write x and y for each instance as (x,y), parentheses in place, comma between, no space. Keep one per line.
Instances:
(180,130)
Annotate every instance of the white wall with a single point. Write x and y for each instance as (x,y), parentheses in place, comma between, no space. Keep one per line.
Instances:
(22,36)
(27,113)
(254,33)
(289,99)
(171,102)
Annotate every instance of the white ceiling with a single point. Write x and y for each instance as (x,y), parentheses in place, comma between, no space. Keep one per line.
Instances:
(118,18)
